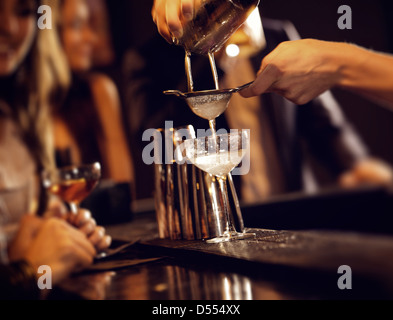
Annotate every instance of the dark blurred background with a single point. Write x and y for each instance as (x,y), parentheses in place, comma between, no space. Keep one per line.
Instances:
(372,28)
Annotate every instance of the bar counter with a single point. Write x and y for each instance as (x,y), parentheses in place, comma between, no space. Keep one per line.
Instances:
(277,265)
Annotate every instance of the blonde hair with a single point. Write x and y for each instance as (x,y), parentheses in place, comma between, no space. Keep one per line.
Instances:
(53,74)
(44,78)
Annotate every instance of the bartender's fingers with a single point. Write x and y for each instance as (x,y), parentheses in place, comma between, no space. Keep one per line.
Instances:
(263,83)
(156,10)
(159,17)
(173,17)
(187,9)
(166,15)
(170,15)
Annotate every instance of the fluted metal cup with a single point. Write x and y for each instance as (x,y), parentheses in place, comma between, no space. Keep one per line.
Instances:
(188,201)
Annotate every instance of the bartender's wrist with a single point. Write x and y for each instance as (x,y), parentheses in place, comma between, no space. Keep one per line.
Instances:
(350,60)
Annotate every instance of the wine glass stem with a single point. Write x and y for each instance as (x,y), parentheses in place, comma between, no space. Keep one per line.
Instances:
(237,203)
(213,66)
(74,208)
(224,192)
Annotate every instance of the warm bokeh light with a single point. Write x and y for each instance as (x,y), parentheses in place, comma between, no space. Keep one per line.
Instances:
(233,50)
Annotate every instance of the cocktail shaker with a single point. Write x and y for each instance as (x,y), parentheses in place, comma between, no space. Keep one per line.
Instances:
(186,199)
(189,205)
(213,24)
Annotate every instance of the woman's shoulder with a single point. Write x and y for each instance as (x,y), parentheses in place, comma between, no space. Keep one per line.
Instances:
(105,91)
(102,84)
(106,97)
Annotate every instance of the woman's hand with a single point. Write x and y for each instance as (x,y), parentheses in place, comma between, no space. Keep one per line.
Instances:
(87,225)
(83,221)
(54,243)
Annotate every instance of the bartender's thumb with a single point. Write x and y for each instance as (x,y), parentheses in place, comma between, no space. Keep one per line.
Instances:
(261,85)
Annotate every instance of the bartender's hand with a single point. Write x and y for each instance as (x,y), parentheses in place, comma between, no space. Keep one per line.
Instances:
(299,70)
(303,69)
(370,172)
(170,16)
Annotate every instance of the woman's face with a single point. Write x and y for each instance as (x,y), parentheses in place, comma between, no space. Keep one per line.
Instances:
(77,36)
(17,33)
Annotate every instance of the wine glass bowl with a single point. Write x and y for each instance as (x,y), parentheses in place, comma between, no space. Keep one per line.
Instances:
(72,184)
(218,155)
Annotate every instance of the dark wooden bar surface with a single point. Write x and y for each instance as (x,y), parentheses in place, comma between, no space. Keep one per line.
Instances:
(276,265)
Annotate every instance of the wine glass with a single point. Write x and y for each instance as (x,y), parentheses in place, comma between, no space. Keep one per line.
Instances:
(218,155)
(72,184)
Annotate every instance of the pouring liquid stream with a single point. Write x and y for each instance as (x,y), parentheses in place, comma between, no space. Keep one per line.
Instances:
(213,66)
(212,123)
(190,81)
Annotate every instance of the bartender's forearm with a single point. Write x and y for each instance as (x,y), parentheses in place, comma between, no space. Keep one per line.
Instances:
(302,70)
(366,72)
